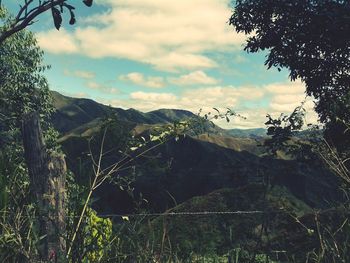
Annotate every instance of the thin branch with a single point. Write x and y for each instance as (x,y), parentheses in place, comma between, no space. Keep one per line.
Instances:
(88,197)
(20,23)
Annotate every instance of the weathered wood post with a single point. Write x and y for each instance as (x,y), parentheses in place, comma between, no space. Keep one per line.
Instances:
(47,174)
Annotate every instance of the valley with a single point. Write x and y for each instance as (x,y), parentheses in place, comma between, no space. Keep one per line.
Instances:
(219,170)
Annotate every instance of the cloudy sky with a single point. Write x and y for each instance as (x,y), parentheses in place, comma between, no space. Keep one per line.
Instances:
(151,54)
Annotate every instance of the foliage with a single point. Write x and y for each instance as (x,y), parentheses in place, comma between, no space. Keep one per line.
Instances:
(17,215)
(119,153)
(311,39)
(94,236)
(98,232)
(190,235)
(23,87)
(283,129)
(330,228)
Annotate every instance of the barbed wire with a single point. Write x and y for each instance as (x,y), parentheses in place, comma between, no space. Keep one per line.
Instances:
(188,213)
(199,213)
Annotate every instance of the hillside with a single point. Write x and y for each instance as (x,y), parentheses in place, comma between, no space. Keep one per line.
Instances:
(247,133)
(222,232)
(72,113)
(219,170)
(179,170)
(278,222)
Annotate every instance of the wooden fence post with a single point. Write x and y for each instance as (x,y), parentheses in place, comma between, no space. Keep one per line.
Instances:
(47,174)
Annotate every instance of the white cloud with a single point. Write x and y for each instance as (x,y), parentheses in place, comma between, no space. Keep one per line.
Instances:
(74,94)
(251,102)
(169,35)
(80,74)
(219,97)
(244,100)
(311,115)
(293,87)
(193,100)
(193,78)
(239,59)
(156,97)
(140,79)
(285,97)
(146,102)
(58,42)
(101,87)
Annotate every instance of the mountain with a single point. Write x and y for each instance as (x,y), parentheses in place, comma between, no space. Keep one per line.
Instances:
(247,133)
(72,113)
(191,166)
(219,170)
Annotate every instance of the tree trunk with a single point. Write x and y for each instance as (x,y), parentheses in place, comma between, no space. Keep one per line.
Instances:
(47,174)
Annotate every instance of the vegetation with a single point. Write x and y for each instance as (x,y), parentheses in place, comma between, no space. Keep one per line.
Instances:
(170,186)
(23,89)
(310,39)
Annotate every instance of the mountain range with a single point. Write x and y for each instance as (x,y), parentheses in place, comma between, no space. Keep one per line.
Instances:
(199,164)
(72,113)
(198,172)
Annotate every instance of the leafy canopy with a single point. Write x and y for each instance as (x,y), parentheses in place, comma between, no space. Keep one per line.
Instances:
(311,38)
(23,88)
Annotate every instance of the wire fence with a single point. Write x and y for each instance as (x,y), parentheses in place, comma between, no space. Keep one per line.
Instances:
(200,213)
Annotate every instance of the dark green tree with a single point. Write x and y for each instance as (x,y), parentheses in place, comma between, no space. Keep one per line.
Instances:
(312,40)
(23,88)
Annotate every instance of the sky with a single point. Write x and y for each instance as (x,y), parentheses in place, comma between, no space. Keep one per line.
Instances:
(152,54)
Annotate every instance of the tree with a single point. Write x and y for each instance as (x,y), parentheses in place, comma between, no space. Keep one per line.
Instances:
(311,39)
(28,12)
(23,89)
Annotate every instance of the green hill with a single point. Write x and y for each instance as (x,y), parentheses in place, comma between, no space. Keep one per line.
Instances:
(219,233)
(247,133)
(278,224)
(181,169)
(218,170)
(72,113)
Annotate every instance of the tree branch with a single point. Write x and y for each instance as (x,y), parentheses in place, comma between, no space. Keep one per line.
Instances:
(26,16)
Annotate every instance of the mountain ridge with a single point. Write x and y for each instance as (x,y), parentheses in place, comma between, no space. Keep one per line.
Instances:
(191,166)
(75,112)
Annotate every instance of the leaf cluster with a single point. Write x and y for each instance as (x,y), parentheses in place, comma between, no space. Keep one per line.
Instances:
(309,38)
(283,129)
(23,87)
(58,9)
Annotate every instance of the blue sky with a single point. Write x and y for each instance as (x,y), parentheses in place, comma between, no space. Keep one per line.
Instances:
(150,54)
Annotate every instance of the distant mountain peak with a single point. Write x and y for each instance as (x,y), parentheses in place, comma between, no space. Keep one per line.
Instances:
(72,113)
